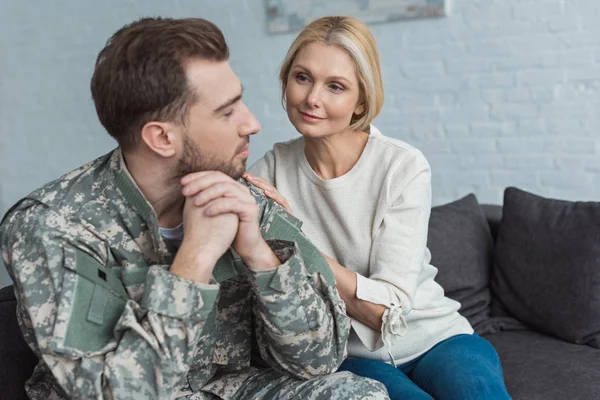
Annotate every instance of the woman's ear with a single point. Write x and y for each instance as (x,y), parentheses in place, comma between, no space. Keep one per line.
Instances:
(360,108)
(284,97)
(160,137)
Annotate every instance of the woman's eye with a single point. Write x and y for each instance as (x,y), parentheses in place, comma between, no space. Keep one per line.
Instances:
(336,88)
(228,113)
(301,78)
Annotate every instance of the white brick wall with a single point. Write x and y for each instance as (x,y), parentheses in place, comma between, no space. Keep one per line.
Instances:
(501,92)
(512,97)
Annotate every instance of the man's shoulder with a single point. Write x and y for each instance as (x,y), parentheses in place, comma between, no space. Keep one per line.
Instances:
(73,188)
(269,208)
(27,212)
(256,192)
(33,228)
(60,198)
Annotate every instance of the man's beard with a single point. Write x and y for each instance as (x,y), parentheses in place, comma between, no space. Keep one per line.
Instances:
(196,160)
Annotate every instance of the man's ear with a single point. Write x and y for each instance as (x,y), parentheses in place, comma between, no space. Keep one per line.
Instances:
(160,137)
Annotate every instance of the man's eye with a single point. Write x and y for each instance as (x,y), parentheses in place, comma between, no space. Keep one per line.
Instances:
(228,113)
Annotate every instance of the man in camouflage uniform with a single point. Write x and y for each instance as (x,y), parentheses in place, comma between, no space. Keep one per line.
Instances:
(150,272)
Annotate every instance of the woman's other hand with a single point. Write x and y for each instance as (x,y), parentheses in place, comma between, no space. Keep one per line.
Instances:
(269,190)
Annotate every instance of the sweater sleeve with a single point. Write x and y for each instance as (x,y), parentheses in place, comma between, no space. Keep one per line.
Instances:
(399,246)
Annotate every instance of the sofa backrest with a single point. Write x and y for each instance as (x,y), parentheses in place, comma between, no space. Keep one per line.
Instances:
(493,213)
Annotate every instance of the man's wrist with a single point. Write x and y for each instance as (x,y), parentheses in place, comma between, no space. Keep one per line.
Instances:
(193,265)
(263,259)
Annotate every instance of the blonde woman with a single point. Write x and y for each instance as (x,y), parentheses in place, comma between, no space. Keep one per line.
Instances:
(365,201)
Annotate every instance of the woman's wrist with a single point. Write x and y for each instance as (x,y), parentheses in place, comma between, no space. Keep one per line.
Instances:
(344,278)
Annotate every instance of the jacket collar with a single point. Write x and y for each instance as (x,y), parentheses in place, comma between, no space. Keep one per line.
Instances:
(134,197)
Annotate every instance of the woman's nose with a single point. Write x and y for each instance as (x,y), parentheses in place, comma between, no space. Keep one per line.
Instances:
(313,99)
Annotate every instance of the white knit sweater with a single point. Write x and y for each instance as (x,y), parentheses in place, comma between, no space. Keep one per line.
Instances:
(373,220)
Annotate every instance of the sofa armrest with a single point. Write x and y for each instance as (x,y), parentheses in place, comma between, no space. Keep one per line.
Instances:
(7,293)
(17,361)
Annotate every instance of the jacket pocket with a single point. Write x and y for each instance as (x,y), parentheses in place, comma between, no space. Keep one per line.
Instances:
(92,301)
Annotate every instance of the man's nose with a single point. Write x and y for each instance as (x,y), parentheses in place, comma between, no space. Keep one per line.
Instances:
(250,126)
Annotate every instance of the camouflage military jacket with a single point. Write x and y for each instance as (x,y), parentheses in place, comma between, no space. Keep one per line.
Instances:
(97,304)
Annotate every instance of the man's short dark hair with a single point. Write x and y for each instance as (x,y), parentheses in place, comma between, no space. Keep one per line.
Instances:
(140,74)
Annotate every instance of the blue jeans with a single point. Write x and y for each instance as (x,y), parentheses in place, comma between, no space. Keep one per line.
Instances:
(462,367)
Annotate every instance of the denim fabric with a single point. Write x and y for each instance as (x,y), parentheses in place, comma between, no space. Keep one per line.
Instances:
(463,367)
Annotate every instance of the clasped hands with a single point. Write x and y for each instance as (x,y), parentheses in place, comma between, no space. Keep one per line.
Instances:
(219,213)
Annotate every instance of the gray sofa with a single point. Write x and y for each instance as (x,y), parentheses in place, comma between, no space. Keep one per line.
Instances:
(528,278)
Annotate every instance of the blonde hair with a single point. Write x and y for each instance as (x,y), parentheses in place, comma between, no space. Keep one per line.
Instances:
(354,37)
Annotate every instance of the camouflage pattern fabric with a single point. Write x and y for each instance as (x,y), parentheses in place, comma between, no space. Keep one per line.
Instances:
(98,306)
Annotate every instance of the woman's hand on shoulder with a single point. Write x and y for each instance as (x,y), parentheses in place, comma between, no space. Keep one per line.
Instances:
(270,190)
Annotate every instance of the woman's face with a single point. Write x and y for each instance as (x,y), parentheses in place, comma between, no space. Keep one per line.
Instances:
(322,90)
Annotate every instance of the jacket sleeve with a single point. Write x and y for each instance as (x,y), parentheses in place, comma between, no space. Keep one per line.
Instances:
(301,323)
(300,320)
(76,315)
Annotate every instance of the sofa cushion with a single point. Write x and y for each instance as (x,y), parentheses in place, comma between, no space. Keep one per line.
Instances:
(547,270)
(539,367)
(461,248)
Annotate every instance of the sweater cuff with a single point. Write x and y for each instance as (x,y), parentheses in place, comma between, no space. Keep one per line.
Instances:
(393,322)
(373,291)
(176,297)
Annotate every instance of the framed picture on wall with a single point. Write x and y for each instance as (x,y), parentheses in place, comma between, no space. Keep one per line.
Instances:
(292,15)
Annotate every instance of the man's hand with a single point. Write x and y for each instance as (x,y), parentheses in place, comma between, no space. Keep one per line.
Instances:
(205,239)
(218,194)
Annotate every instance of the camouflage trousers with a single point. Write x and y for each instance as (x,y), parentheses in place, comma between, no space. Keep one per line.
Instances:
(268,384)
